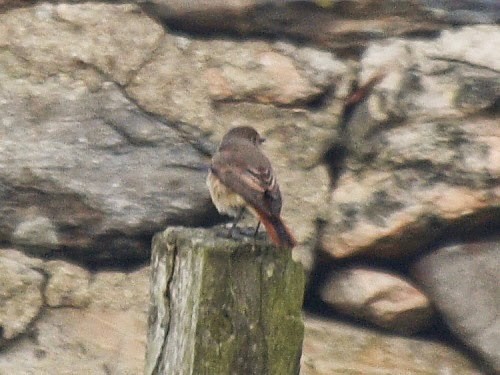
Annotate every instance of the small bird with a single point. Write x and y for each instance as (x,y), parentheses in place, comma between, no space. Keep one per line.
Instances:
(241,177)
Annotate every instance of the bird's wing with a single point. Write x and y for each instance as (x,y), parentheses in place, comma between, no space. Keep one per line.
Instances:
(247,171)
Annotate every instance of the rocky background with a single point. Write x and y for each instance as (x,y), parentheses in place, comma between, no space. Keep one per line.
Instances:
(382,120)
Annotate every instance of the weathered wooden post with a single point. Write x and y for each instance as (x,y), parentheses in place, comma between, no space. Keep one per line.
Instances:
(220,306)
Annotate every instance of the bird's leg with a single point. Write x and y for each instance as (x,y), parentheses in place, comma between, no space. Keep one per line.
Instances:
(236,220)
(256,230)
(255,235)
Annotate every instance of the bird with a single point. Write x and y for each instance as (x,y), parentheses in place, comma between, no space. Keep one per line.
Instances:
(240,177)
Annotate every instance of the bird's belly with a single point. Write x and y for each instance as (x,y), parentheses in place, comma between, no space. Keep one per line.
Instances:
(225,200)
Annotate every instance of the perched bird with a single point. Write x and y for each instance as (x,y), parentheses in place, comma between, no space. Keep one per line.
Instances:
(241,177)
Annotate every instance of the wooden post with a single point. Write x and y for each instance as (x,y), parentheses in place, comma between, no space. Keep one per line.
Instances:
(220,306)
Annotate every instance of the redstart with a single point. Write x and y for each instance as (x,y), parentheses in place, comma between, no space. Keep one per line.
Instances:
(241,177)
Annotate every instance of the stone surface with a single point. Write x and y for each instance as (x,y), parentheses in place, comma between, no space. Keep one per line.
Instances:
(67,286)
(107,119)
(105,174)
(463,282)
(130,290)
(424,156)
(21,298)
(218,84)
(382,298)
(332,347)
(109,337)
(84,171)
(223,306)
(105,335)
(80,341)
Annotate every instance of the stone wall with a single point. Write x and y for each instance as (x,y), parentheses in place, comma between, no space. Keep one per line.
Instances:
(109,113)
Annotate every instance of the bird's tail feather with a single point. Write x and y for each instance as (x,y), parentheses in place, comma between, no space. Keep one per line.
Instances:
(278,232)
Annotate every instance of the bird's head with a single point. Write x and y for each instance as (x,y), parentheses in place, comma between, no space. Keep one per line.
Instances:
(244,132)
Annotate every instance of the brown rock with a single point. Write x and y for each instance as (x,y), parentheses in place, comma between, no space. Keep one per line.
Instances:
(273,79)
(106,337)
(81,341)
(331,347)
(130,290)
(386,300)
(341,25)
(21,297)
(67,286)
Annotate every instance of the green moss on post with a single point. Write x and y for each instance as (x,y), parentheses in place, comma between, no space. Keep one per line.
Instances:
(220,306)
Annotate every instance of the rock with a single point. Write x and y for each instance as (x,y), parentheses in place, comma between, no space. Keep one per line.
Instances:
(81,341)
(72,38)
(346,26)
(437,186)
(38,231)
(68,285)
(123,174)
(20,257)
(383,299)
(465,11)
(223,306)
(273,79)
(462,281)
(104,335)
(332,347)
(21,299)
(423,157)
(130,290)
(84,171)
(187,74)
(220,83)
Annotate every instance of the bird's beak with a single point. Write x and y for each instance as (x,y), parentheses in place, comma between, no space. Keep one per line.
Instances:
(261,140)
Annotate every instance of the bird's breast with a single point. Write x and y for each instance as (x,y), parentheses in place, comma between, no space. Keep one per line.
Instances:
(225,200)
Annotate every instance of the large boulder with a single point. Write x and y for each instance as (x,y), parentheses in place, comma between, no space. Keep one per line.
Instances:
(85,172)
(462,281)
(423,150)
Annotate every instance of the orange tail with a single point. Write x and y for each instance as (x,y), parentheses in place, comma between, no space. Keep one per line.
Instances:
(278,232)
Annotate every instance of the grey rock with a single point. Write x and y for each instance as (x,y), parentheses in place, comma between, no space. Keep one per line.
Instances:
(387,300)
(106,181)
(462,281)
(39,232)
(84,171)
(465,11)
